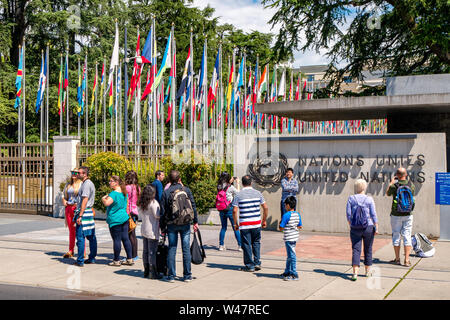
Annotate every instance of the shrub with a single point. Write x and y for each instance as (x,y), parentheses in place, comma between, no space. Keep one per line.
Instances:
(204,192)
(102,166)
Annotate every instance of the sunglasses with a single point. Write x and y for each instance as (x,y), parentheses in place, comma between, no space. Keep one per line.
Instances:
(75,172)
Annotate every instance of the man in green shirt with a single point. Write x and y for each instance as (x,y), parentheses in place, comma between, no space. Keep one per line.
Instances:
(401,222)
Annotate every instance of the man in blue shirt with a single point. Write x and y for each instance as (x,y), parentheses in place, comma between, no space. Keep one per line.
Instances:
(159,175)
(289,187)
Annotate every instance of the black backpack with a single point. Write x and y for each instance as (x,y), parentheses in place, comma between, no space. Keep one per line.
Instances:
(181,211)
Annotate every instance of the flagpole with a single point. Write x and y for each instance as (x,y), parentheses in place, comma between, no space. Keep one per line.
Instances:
(104,111)
(86,106)
(172,92)
(19,113)
(78,113)
(67,90)
(59,94)
(95,111)
(125,102)
(205,106)
(24,103)
(191,94)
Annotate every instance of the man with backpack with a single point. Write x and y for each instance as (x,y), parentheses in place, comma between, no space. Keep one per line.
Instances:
(402,191)
(178,211)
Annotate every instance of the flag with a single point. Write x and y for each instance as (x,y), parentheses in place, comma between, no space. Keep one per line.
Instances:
(202,79)
(19,79)
(297,91)
(214,81)
(282,88)
(229,89)
(42,83)
(273,89)
(262,84)
(114,58)
(136,71)
(186,77)
(166,63)
(147,51)
(102,86)
(60,85)
(66,82)
(93,93)
(255,82)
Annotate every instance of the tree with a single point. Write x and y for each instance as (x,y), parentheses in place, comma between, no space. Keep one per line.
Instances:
(400,36)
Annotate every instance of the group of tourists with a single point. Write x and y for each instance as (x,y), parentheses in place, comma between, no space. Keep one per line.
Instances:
(169,211)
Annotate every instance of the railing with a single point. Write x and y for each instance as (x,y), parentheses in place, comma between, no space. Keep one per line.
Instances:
(26,178)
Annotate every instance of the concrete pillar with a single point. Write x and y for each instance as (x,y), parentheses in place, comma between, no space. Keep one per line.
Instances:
(64,160)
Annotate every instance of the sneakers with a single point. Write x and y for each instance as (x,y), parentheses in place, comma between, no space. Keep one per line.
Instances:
(170,279)
(115,264)
(136,258)
(187,279)
(239,249)
(245,269)
(77,264)
(88,261)
(287,277)
(354,277)
(222,248)
(257,268)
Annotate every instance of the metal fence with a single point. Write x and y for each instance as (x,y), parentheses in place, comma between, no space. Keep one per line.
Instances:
(26,178)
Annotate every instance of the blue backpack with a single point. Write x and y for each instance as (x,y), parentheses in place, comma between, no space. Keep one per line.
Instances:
(404,198)
(359,216)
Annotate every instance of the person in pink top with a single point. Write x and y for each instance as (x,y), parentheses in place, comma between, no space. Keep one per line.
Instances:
(133,190)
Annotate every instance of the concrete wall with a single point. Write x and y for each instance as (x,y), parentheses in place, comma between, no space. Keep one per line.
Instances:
(322,203)
(64,160)
(423,84)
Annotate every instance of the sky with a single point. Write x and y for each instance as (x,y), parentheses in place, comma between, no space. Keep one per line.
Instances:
(250,15)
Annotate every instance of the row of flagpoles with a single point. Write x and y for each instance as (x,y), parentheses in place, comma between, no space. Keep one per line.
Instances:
(204,110)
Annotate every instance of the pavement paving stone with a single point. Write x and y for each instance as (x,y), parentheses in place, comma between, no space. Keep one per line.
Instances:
(323,261)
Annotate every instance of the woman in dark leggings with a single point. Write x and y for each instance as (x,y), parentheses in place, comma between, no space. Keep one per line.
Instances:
(133,190)
(117,219)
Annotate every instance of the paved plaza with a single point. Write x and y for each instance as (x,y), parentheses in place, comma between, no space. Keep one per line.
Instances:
(31,249)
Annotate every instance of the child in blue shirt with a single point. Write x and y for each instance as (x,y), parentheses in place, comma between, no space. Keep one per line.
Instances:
(290,225)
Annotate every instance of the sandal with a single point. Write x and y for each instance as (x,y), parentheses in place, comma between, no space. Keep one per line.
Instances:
(115,264)
(68,255)
(407,263)
(395,261)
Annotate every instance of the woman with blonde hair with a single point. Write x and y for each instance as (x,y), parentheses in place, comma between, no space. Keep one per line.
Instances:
(363,222)
(70,199)
(117,219)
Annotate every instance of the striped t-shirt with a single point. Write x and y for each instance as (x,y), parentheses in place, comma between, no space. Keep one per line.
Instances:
(249,201)
(290,221)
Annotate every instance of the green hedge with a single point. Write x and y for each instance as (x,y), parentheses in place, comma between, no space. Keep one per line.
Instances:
(200,176)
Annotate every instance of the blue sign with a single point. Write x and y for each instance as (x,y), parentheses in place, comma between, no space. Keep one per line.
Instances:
(442,188)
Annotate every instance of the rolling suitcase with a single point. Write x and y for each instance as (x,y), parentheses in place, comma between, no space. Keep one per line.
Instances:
(161,257)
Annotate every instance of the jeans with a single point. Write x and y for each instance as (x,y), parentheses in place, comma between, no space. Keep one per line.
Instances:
(401,227)
(251,244)
(149,251)
(185,233)
(119,234)
(226,215)
(291,260)
(81,244)
(362,235)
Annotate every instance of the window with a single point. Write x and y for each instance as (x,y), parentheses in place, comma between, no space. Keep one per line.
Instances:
(310,77)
